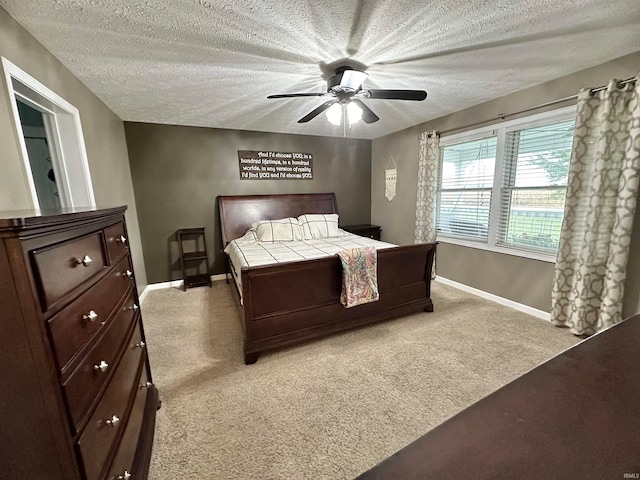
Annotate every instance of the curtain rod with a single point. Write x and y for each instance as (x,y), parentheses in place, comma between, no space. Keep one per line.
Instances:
(503,116)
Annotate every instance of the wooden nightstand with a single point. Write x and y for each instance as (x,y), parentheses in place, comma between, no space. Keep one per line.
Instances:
(371,231)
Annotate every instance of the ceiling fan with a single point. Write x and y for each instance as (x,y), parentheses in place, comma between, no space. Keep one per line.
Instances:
(344,89)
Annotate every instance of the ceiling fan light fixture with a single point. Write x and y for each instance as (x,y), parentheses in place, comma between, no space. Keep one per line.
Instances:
(334,114)
(354,113)
(336,111)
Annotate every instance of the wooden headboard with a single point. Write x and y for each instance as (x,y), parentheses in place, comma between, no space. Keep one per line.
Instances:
(238,212)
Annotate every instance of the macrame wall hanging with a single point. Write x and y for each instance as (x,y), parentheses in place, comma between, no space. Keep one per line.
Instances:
(390,178)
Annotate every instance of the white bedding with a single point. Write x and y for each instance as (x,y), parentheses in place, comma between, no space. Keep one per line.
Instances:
(247,252)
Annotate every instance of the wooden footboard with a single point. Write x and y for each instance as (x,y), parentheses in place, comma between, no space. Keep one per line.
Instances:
(294,302)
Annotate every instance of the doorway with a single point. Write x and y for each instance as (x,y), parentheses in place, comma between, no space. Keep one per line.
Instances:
(49,131)
(32,122)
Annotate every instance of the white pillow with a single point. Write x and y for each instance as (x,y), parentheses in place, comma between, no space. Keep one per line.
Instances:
(280,230)
(249,236)
(319,225)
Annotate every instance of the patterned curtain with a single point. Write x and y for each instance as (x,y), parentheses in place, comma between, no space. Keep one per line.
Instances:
(426,208)
(602,191)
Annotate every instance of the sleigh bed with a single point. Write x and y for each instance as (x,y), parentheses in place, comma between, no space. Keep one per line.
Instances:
(293,302)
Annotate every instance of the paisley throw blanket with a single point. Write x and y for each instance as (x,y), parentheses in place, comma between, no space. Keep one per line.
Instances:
(359,276)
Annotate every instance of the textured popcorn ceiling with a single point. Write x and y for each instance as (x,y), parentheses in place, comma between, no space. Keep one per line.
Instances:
(212,63)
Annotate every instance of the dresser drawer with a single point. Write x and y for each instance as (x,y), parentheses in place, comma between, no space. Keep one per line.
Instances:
(370,232)
(124,457)
(366,230)
(62,268)
(117,243)
(107,421)
(84,383)
(70,328)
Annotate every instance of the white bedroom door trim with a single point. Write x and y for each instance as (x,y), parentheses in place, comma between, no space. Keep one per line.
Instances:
(64,131)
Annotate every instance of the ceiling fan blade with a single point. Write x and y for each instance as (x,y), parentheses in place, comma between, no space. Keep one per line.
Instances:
(352,79)
(317,111)
(416,95)
(367,114)
(289,95)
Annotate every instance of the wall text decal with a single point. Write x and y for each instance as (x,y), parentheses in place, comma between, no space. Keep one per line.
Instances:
(266,165)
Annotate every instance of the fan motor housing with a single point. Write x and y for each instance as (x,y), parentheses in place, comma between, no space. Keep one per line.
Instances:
(337,78)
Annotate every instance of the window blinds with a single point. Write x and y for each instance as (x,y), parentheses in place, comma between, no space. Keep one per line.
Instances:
(533,187)
(466,182)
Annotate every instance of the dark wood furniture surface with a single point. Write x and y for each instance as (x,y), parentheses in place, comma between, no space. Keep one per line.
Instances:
(575,416)
(77,399)
(195,259)
(364,230)
(293,302)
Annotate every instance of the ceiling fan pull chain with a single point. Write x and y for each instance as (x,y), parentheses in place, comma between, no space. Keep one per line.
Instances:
(344,120)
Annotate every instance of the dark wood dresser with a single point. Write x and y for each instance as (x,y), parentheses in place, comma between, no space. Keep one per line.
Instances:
(575,416)
(77,400)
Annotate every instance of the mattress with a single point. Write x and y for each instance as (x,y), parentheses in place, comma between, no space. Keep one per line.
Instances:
(246,252)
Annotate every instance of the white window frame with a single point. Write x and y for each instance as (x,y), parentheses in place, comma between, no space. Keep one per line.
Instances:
(500,131)
(63,129)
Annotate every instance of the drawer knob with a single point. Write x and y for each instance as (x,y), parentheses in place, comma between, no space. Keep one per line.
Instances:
(134,308)
(125,476)
(140,345)
(113,421)
(86,261)
(91,316)
(122,239)
(128,273)
(102,366)
(146,385)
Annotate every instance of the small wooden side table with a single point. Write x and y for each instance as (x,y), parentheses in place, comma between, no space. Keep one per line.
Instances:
(193,238)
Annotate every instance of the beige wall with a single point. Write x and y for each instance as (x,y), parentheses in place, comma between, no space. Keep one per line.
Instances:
(515,278)
(179,171)
(103,134)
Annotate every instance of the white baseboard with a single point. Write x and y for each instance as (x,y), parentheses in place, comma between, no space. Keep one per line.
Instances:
(495,298)
(173,284)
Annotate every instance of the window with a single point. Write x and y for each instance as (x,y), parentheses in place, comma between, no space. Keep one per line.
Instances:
(466,182)
(504,188)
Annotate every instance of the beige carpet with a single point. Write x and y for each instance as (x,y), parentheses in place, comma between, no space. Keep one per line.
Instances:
(329,409)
